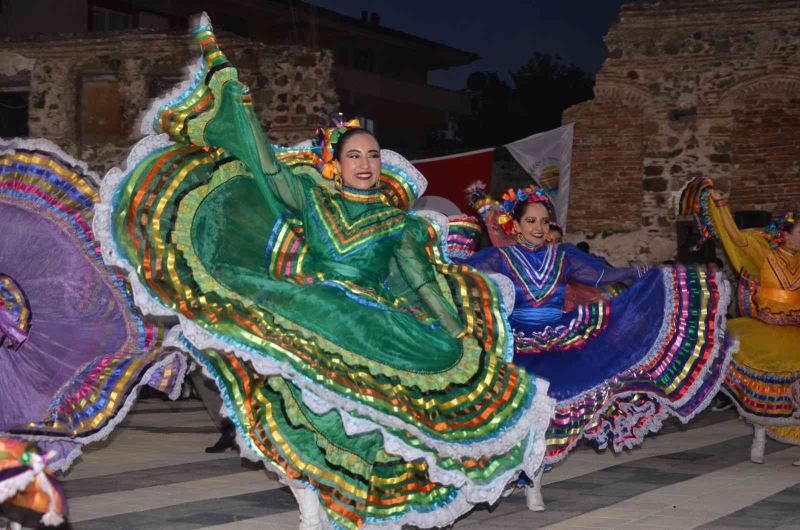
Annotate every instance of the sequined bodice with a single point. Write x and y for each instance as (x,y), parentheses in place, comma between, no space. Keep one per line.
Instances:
(352,234)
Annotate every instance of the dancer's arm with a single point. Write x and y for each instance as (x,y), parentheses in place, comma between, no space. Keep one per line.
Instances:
(486,260)
(745,249)
(594,271)
(417,271)
(236,127)
(276,181)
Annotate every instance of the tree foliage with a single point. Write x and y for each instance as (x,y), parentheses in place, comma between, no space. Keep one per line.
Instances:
(534,101)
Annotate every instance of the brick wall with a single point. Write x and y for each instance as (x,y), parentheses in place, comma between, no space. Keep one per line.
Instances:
(292,86)
(690,87)
(766,151)
(606,184)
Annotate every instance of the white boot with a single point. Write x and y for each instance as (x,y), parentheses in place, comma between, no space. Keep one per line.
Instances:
(533,493)
(308,503)
(796,463)
(759,441)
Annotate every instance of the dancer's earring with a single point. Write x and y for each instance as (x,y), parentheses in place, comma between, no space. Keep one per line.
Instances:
(338,181)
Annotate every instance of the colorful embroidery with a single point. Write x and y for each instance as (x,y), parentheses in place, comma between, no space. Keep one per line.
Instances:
(463,236)
(81,407)
(590,321)
(678,377)
(603,418)
(538,283)
(62,192)
(762,395)
(346,234)
(787,273)
(694,201)
(287,250)
(749,306)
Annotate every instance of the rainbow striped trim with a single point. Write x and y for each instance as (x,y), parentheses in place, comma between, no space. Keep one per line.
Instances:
(680,375)
(589,322)
(694,202)
(92,401)
(15,312)
(537,284)
(747,295)
(765,397)
(463,236)
(347,235)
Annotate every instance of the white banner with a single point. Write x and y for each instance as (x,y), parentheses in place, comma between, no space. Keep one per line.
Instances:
(547,157)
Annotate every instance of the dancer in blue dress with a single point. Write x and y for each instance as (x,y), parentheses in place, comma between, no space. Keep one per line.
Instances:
(617,366)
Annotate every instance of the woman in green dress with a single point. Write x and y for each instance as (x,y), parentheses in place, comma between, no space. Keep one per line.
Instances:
(354,359)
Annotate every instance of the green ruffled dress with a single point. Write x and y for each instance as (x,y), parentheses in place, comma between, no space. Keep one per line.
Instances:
(352,356)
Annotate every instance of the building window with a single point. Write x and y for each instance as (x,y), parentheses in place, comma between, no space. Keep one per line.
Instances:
(364,60)
(367,123)
(234,24)
(158,85)
(13,114)
(148,20)
(101,109)
(343,56)
(104,19)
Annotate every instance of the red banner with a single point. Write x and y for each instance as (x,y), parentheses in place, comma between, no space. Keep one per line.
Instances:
(448,176)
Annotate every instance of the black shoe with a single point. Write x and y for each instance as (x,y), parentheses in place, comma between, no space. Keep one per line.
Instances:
(721,402)
(227,439)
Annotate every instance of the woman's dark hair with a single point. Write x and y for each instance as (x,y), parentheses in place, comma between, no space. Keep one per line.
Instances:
(519,210)
(349,133)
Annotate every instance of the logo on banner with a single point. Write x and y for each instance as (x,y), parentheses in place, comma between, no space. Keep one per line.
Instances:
(547,172)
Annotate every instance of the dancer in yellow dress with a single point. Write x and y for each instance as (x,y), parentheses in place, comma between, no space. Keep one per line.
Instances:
(764,376)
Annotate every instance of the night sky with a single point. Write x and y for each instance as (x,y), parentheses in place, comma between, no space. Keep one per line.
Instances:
(505,33)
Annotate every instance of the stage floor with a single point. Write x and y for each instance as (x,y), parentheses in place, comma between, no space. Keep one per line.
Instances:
(152,473)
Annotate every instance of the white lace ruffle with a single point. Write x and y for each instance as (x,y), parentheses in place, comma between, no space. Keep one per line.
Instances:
(8,145)
(721,347)
(506,288)
(469,493)
(542,412)
(399,161)
(203,339)
(10,487)
(102,224)
(438,219)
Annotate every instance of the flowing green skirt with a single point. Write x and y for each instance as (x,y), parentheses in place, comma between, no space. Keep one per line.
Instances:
(337,382)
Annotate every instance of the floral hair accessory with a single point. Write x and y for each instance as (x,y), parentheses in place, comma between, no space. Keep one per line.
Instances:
(512,197)
(326,140)
(478,197)
(775,234)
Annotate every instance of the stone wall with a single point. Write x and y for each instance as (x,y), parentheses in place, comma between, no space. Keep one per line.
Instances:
(690,88)
(87,93)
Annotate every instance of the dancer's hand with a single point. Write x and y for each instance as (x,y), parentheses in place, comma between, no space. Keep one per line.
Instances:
(718,198)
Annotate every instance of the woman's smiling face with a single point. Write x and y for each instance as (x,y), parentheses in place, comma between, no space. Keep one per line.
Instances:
(360,162)
(534,225)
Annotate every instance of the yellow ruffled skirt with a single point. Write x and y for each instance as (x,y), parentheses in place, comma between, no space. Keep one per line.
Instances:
(764,376)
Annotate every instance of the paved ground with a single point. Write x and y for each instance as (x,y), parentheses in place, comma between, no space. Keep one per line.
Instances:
(153,474)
